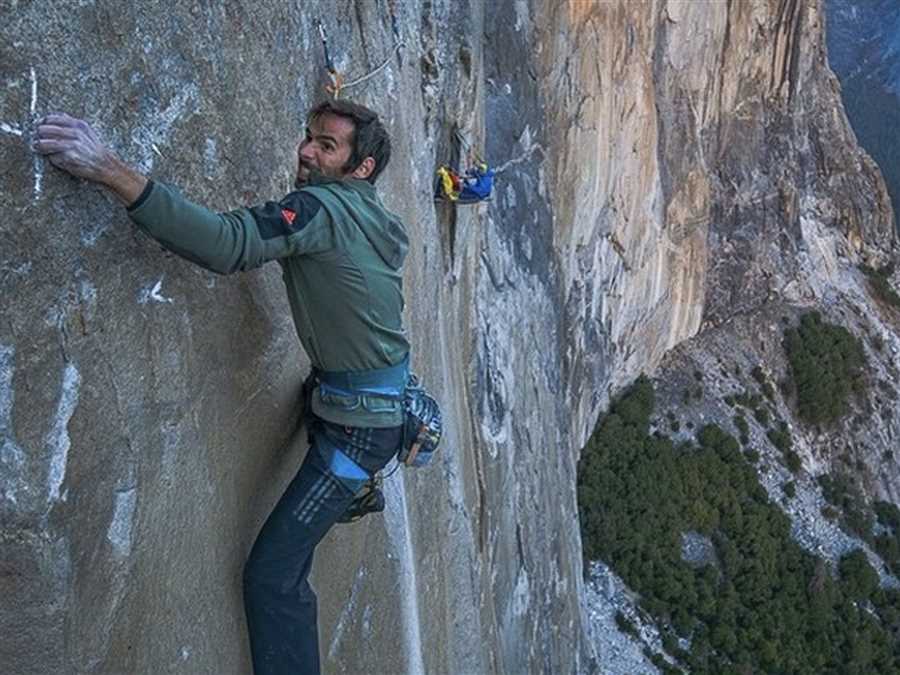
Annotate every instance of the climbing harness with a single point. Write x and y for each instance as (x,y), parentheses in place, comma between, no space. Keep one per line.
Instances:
(421,433)
(336,78)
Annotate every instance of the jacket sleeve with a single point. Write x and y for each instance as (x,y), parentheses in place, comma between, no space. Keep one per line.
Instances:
(232,241)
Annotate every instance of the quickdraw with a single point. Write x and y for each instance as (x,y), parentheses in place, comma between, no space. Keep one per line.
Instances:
(336,78)
(337,83)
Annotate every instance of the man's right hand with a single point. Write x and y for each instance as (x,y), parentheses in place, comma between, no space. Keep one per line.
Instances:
(72,145)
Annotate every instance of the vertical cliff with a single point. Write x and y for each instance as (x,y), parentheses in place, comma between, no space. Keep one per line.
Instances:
(664,166)
(862,51)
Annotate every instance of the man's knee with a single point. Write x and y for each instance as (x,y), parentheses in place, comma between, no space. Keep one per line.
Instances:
(259,578)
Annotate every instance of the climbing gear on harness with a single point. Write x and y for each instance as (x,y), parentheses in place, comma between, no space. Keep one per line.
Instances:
(337,79)
(369,499)
(423,427)
(420,436)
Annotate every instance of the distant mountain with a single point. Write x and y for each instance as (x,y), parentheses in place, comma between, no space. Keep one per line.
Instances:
(863,38)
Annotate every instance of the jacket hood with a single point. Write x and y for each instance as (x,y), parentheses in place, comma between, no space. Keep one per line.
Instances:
(383,229)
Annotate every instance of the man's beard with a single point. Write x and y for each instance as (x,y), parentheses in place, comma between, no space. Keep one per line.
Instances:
(304,172)
(313,175)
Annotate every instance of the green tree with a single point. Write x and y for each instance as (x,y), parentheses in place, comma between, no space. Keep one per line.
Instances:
(858,576)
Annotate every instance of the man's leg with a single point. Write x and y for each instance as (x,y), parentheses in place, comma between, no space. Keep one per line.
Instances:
(279,602)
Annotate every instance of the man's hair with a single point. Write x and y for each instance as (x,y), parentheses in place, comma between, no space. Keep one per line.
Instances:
(370,138)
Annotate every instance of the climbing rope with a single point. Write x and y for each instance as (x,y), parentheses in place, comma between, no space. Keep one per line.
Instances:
(391,472)
(358,80)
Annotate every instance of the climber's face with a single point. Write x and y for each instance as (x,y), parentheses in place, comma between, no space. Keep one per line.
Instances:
(326,148)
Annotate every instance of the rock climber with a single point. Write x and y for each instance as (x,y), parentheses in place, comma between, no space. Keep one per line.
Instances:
(341,253)
(472,187)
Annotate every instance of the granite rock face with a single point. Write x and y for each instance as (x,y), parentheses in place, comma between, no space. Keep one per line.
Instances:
(665,166)
(864,52)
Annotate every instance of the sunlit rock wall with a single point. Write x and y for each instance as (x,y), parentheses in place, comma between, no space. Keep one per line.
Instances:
(656,161)
(697,138)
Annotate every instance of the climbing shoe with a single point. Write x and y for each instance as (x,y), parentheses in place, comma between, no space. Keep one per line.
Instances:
(369,499)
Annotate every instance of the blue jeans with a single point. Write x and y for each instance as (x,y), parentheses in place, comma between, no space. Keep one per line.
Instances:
(278,600)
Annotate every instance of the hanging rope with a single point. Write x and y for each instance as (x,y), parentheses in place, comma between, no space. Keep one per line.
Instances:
(360,80)
(395,28)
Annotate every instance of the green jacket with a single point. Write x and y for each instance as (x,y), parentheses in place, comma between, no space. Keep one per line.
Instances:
(341,253)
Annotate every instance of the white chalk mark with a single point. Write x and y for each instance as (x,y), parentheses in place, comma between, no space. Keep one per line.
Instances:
(6,391)
(154,132)
(397,523)
(38,160)
(58,440)
(33,92)
(38,175)
(154,293)
(210,158)
(119,532)
(12,457)
(15,130)
(347,614)
(10,129)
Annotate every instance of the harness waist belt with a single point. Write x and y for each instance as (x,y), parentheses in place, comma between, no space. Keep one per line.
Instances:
(387,382)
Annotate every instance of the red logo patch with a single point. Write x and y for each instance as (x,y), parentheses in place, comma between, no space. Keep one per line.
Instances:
(288,215)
